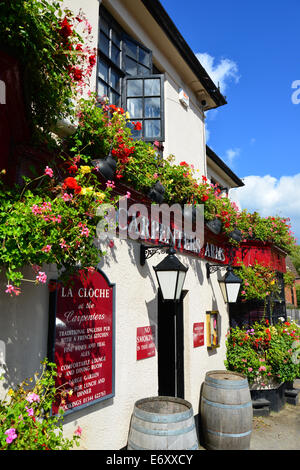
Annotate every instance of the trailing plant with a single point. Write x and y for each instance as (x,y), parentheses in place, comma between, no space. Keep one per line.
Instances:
(289,279)
(51,219)
(259,282)
(26,422)
(56,61)
(263,352)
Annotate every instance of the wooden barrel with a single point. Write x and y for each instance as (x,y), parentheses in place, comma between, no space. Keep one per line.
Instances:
(226,411)
(162,423)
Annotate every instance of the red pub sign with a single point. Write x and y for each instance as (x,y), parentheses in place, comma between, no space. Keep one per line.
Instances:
(82,314)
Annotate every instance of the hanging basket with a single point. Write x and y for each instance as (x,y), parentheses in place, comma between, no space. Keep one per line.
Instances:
(107,167)
(157,192)
(214,225)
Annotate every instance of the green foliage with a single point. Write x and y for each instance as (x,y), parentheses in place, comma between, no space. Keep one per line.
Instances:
(50,220)
(295,256)
(259,282)
(264,352)
(41,34)
(26,422)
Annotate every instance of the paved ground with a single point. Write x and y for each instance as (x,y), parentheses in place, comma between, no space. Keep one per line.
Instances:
(278,431)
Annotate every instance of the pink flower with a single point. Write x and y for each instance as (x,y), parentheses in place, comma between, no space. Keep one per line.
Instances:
(63,245)
(155,175)
(250,369)
(262,368)
(49,172)
(32,397)
(10,289)
(67,197)
(47,248)
(128,194)
(11,435)
(78,431)
(29,411)
(84,230)
(110,184)
(41,277)
(35,209)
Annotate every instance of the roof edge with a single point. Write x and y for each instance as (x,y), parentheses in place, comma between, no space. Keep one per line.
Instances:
(214,157)
(160,15)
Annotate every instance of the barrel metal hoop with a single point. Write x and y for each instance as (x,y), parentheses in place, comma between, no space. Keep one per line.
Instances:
(167,432)
(227,385)
(136,447)
(222,405)
(155,418)
(241,434)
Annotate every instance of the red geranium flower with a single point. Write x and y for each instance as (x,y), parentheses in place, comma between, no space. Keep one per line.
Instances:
(71,182)
(137,126)
(73,169)
(92,60)
(66,28)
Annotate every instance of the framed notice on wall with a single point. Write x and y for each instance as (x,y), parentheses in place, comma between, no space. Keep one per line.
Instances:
(198,334)
(213,329)
(82,339)
(145,342)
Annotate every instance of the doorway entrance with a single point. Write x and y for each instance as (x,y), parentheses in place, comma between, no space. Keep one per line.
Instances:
(170,345)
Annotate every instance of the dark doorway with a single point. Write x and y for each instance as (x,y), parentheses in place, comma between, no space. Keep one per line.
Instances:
(170,345)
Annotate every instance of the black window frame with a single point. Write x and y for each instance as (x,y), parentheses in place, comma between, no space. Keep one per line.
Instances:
(120,69)
(107,59)
(142,120)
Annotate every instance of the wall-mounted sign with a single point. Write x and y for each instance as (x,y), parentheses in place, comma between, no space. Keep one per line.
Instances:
(145,342)
(184,98)
(81,338)
(212,329)
(198,334)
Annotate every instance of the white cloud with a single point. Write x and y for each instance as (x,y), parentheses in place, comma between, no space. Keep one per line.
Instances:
(230,155)
(220,73)
(271,197)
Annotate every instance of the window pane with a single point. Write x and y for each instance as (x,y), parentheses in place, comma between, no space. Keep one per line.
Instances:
(135,107)
(152,87)
(134,87)
(152,128)
(130,66)
(143,70)
(137,134)
(116,39)
(104,26)
(115,54)
(103,71)
(102,89)
(115,80)
(131,49)
(152,107)
(144,57)
(114,98)
(104,44)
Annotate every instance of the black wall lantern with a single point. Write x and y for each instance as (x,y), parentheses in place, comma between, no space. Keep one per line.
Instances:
(170,272)
(230,284)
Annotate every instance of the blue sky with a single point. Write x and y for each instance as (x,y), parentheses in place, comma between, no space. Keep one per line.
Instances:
(252,49)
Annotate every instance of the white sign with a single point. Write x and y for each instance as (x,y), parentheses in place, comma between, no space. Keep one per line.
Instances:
(183,98)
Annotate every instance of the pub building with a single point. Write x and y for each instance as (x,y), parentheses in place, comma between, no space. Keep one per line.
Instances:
(121,335)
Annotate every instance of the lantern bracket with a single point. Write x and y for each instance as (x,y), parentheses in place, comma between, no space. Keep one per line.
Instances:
(212,268)
(147,252)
